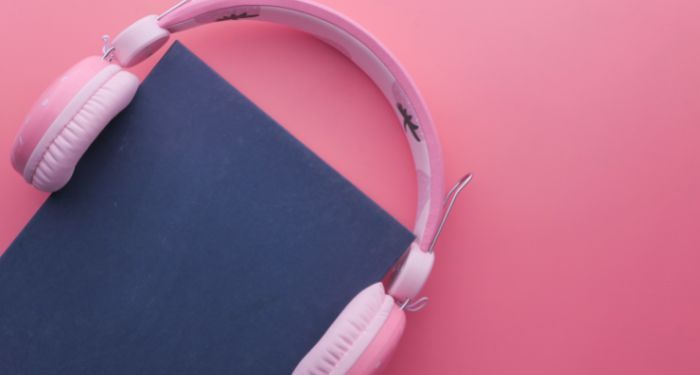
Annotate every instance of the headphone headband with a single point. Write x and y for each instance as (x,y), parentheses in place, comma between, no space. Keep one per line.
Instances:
(365,51)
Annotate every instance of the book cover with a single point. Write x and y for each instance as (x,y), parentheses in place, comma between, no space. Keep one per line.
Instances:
(197,236)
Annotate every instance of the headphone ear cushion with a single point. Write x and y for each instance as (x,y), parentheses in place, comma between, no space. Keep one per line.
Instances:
(58,162)
(352,333)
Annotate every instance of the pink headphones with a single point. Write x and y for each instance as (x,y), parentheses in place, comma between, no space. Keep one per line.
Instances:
(73,111)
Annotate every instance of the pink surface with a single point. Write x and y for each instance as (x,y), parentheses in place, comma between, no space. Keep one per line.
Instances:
(575,250)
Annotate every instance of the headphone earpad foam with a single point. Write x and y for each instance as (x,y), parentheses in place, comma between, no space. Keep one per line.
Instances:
(352,333)
(58,162)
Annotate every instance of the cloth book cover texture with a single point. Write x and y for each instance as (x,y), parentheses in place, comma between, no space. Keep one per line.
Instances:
(197,236)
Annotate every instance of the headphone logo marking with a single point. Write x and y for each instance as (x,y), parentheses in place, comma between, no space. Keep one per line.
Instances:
(408,123)
(235,16)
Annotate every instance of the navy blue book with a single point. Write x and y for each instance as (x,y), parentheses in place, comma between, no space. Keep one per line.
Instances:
(197,236)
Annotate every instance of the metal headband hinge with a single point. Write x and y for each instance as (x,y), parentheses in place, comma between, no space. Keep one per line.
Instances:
(448,204)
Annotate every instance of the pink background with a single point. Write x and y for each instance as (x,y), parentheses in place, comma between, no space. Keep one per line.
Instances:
(576,249)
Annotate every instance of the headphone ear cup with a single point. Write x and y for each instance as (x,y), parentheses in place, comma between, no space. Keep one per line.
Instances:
(67,118)
(374,358)
(360,339)
(56,166)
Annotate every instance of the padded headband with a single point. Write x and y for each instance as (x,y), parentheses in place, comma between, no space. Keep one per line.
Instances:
(365,51)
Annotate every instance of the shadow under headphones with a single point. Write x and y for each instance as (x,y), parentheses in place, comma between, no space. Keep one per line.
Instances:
(74,109)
